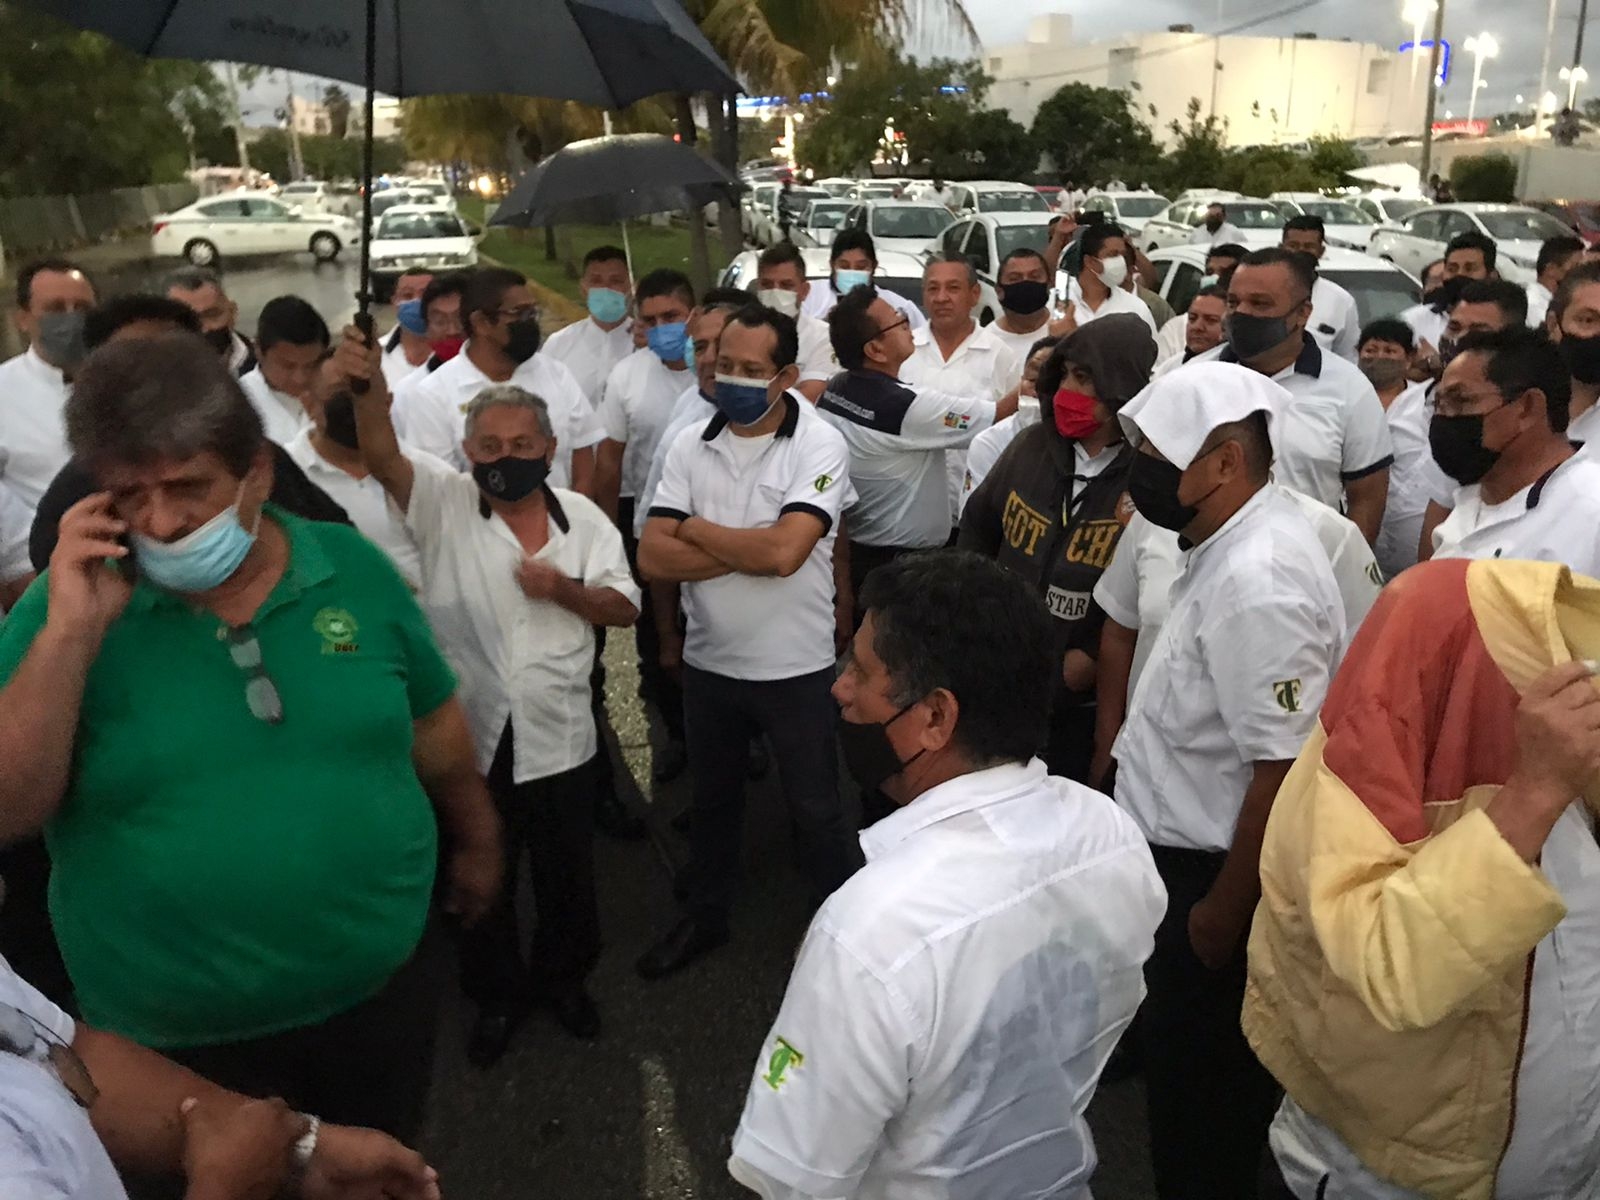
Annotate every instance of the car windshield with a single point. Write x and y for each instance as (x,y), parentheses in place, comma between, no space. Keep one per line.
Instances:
(1523,225)
(1398,209)
(874,193)
(1334,212)
(1252,216)
(909,286)
(419,225)
(909,222)
(1028,201)
(385,202)
(1017,237)
(1378,293)
(300,189)
(1140,206)
(826,216)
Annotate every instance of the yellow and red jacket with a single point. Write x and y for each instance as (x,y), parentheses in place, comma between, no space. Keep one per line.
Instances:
(1392,948)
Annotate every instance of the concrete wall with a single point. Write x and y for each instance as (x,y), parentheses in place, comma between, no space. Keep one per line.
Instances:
(1268,90)
(32,224)
(1544,171)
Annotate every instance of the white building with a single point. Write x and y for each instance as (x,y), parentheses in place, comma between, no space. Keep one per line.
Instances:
(308,116)
(1268,90)
(385,116)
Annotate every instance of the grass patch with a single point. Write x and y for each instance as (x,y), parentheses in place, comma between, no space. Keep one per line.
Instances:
(653,246)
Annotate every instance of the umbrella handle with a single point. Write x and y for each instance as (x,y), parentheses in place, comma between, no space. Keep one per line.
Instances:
(369,331)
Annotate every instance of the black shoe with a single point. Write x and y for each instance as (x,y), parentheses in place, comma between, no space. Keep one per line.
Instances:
(690,939)
(669,762)
(491,1034)
(614,820)
(577,1013)
(760,761)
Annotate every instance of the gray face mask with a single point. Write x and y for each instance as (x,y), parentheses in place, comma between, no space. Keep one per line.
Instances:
(60,339)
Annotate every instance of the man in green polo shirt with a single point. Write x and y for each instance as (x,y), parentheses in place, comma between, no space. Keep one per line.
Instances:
(229,723)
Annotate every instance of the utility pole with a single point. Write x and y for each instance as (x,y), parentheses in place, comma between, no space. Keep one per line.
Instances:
(1544,63)
(297,161)
(1577,45)
(1433,93)
(238,116)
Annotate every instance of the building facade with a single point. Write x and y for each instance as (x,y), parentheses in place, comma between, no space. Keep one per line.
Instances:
(1267,90)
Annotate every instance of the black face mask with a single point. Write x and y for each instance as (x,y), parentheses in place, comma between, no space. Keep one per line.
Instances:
(1153,488)
(1457,445)
(1025,296)
(221,339)
(510,478)
(1448,348)
(1444,297)
(1252,336)
(522,339)
(869,756)
(1582,356)
(339,421)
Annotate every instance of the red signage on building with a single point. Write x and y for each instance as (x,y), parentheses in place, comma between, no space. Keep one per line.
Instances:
(1469,128)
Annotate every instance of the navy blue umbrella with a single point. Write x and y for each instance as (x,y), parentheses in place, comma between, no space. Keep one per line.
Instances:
(607,53)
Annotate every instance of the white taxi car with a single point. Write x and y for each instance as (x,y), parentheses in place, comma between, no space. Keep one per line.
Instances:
(411,236)
(246,223)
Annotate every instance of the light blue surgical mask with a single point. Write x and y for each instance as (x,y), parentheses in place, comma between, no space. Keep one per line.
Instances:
(410,316)
(688,355)
(607,306)
(845,282)
(742,401)
(1207,281)
(668,341)
(198,561)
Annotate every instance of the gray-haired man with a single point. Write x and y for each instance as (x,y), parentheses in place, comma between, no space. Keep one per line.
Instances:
(202,290)
(516,574)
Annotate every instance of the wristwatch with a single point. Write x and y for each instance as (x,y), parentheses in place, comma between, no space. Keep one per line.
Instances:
(306,1146)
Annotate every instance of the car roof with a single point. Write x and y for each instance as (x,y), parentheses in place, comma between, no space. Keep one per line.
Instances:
(998,185)
(1125,192)
(890,203)
(1334,258)
(1482,206)
(428,209)
(1013,218)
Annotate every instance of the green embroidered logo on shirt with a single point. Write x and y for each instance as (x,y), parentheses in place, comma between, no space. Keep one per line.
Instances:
(1287,693)
(783,1057)
(824,482)
(338,629)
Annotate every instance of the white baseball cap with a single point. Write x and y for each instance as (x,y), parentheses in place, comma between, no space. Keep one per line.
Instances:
(1178,411)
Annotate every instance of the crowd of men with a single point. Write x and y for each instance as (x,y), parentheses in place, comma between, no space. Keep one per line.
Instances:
(1213,691)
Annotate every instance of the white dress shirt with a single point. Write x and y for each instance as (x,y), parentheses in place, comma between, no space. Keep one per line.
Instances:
(690,408)
(33,432)
(590,353)
(16,523)
(1227,234)
(1539,298)
(821,299)
(48,1148)
(637,400)
(1334,429)
(430,410)
(522,660)
(1019,343)
(1236,676)
(1428,325)
(1119,301)
(282,416)
(1410,484)
(1585,427)
(748,626)
(955,1001)
(1172,341)
(1335,320)
(1555,519)
(397,368)
(817,362)
(366,503)
(989,445)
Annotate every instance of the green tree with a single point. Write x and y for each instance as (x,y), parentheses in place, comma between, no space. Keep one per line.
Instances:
(1484,177)
(326,156)
(1198,156)
(1093,133)
(1332,159)
(337,101)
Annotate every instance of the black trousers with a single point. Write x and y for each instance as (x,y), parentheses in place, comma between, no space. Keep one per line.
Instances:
(798,717)
(550,820)
(661,688)
(863,560)
(27,939)
(1071,746)
(1210,1099)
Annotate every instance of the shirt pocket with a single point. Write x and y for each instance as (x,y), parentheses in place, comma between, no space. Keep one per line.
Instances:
(766,503)
(1312,440)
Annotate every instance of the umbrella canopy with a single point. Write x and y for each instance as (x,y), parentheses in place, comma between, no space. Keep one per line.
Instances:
(602,52)
(609,179)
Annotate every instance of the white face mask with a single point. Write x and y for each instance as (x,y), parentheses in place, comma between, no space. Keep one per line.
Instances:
(1113,272)
(786,302)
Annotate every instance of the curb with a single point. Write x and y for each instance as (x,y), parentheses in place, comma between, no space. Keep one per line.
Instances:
(559,310)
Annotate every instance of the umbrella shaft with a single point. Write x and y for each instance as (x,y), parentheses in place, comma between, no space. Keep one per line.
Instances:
(364,297)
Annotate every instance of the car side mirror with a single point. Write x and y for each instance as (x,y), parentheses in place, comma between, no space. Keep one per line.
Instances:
(474,229)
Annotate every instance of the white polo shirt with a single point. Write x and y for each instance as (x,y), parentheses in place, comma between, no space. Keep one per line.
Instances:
(1118,301)
(1585,428)
(522,660)
(590,353)
(898,436)
(817,362)
(48,1148)
(366,503)
(33,432)
(430,410)
(1428,325)
(1555,519)
(747,626)
(1236,676)
(955,1001)
(821,299)
(690,408)
(1410,481)
(1335,320)
(637,400)
(397,368)
(989,445)
(1135,590)
(1018,343)
(282,416)
(1539,298)
(1333,430)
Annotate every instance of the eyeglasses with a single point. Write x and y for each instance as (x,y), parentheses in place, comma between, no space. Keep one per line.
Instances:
(1463,404)
(522,312)
(260,693)
(891,326)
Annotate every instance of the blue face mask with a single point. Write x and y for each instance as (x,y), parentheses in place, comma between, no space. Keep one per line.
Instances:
(668,341)
(198,561)
(742,401)
(845,282)
(409,314)
(606,306)
(688,355)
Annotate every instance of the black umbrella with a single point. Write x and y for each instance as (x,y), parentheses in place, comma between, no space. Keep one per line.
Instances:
(602,52)
(613,178)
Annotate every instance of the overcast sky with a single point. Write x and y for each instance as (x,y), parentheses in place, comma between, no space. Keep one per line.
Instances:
(1518,25)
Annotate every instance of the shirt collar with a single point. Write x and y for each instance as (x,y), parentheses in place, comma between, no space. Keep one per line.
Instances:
(1193,553)
(791,420)
(45,370)
(552,507)
(1308,363)
(963,794)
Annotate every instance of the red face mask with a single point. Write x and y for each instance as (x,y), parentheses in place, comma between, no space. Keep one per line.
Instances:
(1075,417)
(448,348)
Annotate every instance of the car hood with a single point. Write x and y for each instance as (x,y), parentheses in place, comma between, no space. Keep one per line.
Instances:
(902,245)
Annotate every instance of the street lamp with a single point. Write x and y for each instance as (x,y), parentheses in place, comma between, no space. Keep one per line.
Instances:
(1472,104)
(1481,47)
(1574,76)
